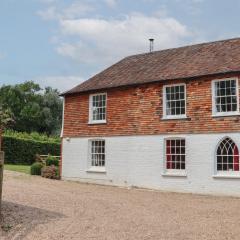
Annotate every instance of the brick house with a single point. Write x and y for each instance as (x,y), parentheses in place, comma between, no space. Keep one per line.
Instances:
(166,120)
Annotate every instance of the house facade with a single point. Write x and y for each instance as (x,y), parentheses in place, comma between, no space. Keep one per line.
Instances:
(166,120)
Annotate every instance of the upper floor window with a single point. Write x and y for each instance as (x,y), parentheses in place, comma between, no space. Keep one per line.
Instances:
(227,156)
(225,97)
(97,108)
(174,101)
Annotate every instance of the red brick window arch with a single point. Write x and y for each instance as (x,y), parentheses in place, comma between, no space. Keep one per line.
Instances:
(227,155)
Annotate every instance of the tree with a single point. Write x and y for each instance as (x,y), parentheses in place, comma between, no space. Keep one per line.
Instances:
(6,118)
(32,108)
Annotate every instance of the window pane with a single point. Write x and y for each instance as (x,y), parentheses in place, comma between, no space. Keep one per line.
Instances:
(99,107)
(98,153)
(234,99)
(227,156)
(182,95)
(182,89)
(175,100)
(226,96)
(175,154)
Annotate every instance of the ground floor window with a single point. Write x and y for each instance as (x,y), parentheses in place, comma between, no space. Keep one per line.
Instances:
(175,154)
(227,155)
(97,153)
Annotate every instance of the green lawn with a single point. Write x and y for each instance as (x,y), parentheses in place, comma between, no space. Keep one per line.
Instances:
(17,168)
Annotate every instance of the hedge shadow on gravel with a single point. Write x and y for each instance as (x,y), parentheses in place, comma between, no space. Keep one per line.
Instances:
(18,220)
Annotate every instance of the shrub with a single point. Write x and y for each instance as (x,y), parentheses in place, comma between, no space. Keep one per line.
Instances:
(23,151)
(36,168)
(52,161)
(50,172)
(38,158)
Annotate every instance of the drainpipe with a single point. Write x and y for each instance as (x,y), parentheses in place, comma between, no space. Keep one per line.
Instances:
(61,158)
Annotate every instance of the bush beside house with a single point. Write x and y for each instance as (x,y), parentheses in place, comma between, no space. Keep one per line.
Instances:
(51,172)
(51,168)
(48,168)
(51,160)
(36,168)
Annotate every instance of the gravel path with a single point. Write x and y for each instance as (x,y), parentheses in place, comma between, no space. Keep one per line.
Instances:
(38,208)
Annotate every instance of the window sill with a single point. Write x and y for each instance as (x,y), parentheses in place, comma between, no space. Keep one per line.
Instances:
(96,170)
(174,174)
(226,115)
(226,176)
(175,118)
(97,122)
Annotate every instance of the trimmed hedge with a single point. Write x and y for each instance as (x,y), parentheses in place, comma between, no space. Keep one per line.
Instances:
(23,151)
(32,136)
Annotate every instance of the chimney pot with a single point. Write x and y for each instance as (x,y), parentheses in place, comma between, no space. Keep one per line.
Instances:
(151,40)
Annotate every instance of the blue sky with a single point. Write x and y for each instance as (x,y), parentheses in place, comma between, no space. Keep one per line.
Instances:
(63,42)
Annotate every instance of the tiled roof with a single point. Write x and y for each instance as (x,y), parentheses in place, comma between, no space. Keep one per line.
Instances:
(177,63)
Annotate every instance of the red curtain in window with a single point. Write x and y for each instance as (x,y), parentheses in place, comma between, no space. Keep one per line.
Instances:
(168,155)
(236,159)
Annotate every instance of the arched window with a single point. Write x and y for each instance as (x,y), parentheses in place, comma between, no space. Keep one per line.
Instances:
(227,155)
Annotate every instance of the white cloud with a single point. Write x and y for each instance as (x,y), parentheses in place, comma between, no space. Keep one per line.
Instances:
(62,83)
(77,9)
(70,50)
(49,13)
(105,41)
(74,10)
(161,12)
(48,1)
(192,7)
(97,41)
(111,3)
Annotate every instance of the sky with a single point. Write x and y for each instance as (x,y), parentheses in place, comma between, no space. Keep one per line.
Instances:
(60,43)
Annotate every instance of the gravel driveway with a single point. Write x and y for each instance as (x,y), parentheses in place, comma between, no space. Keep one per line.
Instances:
(38,208)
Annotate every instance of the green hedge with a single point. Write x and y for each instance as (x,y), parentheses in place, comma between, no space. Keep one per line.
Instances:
(23,151)
(32,136)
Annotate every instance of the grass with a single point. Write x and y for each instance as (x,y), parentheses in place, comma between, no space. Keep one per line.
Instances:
(17,168)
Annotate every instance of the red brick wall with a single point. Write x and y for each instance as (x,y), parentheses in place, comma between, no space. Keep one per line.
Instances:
(138,110)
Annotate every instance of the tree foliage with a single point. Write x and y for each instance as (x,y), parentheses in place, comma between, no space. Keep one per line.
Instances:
(33,109)
(6,118)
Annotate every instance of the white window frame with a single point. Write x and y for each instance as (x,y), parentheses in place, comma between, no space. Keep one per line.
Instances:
(91,168)
(91,121)
(214,110)
(180,116)
(174,172)
(223,173)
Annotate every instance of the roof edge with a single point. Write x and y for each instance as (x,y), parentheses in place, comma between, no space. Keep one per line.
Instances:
(67,93)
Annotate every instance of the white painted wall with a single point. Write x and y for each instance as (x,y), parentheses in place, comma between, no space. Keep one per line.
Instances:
(139,161)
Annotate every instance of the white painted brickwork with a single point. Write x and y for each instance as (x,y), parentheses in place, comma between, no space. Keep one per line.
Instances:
(139,161)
